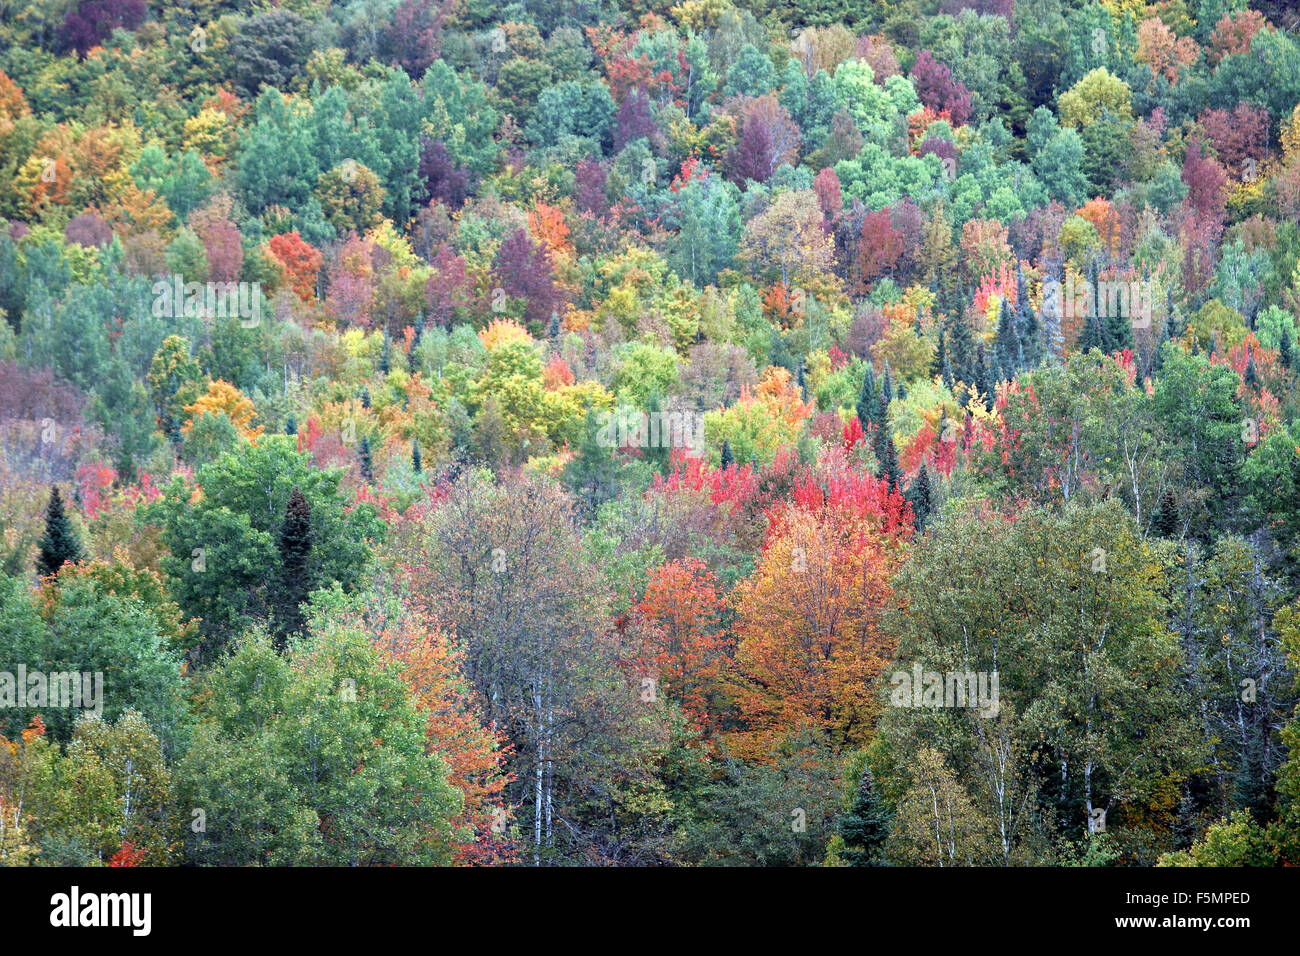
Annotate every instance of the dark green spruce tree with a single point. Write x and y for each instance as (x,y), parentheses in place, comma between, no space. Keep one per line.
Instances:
(295,580)
(1027,326)
(1007,348)
(59,545)
(417,463)
(882,443)
(866,825)
(918,493)
(367,465)
(592,474)
(1165,521)
(866,407)
(963,357)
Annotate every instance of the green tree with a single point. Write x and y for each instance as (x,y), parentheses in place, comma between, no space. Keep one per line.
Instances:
(865,827)
(313,758)
(60,543)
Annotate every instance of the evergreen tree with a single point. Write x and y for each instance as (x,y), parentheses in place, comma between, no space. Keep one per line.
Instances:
(593,473)
(1008,351)
(1053,338)
(385,364)
(364,395)
(367,466)
(1094,335)
(657,453)
(866,406)
(1285,350)
(919,495)
(780,352)
(417,464)
(1027,330)
(1158,357)
(866,826)
(886,390)
(291,426)
(553,329)
(59,544)
(983,391)
(726,458)
(1251,375)
(882,442)
(940,364)
(295,578)
(419,331)
(1119,328)
(802,381)
(1165,521)
(963,356)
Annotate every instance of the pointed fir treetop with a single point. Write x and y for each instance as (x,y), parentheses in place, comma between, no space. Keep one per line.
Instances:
(59,545)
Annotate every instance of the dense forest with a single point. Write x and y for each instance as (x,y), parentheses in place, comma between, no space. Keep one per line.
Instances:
(618,432)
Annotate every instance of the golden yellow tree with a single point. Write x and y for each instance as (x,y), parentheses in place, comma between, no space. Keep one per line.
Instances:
(223,398)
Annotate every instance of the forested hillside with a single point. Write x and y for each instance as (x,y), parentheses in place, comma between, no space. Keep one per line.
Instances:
(824,432)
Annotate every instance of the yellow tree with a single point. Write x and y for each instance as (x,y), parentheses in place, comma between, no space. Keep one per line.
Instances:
(223,398)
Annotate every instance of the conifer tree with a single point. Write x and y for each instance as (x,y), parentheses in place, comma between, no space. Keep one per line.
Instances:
(1119,329)
(367,466)
(1251,375)
(983,391)
(1158,357)
(1027,329)
(291,426)
(882,442)
(866,826)
(1053,338)
(1285,349)
(1165,520)
(919,495)
(866,406)
(726,458)
(1094,333)
(59,545)
(592,473)
(940,364)
(1008,351)
(417,464)
(295,578)
(963,356)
